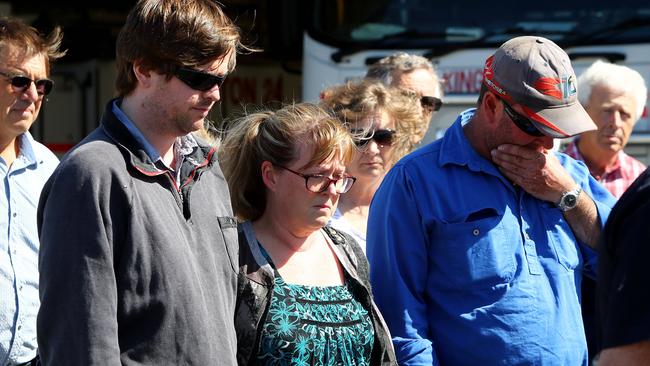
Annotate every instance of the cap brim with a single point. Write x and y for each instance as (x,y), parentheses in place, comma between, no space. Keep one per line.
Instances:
(562,121)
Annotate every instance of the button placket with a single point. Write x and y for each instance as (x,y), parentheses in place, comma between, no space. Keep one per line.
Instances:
(534,267)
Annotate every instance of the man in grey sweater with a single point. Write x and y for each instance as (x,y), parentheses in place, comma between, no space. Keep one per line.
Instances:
(138,253)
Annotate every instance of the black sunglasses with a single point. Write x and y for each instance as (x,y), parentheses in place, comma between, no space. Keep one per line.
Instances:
(198,80)
(522,122)
(383,137)
(431,103)
(21,83)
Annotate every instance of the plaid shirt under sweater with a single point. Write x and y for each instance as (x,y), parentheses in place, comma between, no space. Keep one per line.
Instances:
(616,178)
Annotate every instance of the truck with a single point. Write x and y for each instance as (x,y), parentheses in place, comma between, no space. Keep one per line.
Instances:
(343,38)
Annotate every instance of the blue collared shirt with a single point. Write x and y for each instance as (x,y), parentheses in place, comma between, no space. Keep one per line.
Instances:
(468,269)
(21,186)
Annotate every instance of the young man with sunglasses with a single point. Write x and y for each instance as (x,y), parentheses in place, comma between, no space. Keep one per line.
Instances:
(477,242)
(139,243)
(25,165)
(415,74)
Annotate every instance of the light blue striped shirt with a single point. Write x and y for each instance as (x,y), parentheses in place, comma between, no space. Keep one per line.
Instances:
(21,186)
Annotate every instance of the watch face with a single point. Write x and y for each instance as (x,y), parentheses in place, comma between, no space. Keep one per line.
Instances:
(570,201)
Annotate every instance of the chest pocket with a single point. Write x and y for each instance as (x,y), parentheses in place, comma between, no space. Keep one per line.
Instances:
(475,253)
(228,227)
(561,238)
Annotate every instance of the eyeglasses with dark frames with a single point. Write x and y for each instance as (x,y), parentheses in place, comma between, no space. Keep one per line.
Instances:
(430,103)
(520,121)
(21,83)
(383,137)
(319,183)
(198,80)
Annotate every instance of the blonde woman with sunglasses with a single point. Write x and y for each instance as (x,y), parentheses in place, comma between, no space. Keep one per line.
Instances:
(383,121)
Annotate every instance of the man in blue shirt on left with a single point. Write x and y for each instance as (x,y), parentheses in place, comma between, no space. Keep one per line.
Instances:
(25,165)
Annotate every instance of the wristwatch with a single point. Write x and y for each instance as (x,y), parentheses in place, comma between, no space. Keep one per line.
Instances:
(569,199)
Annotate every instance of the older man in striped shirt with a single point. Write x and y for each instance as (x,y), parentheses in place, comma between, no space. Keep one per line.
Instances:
(614,96)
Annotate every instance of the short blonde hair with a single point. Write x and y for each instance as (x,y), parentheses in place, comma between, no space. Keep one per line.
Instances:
(356,100)
(389,69)
(275,136)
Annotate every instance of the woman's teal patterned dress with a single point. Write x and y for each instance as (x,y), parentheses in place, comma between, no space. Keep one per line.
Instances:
(313,325)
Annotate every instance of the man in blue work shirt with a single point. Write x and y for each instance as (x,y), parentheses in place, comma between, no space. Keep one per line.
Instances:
(477,242)
(25,166)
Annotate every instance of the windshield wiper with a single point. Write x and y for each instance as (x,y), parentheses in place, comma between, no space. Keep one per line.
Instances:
(603,33)
(385,40)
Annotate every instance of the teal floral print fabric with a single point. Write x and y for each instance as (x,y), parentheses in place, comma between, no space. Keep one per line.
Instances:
(312,325)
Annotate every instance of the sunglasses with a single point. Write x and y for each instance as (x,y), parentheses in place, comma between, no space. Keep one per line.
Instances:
(198,80)
(431,103)
(383,137)
(21,83)
(522,122)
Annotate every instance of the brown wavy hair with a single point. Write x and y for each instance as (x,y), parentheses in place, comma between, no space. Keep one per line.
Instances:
(165,34)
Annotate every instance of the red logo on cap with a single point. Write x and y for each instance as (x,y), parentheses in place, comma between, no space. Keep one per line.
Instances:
(488,77)
(549,86)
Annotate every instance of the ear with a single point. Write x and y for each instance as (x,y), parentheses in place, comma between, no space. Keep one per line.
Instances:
(269,175)
(141,73)
(491,107)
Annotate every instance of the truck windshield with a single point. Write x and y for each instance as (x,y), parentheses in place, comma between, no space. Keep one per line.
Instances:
(476,23)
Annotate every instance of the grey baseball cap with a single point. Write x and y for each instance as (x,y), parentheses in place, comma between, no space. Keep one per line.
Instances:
(536,73)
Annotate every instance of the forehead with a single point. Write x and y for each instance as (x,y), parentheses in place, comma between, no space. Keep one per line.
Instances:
(305,153)
(604,94)
(12,58)
(219,66)
(378,119)
(420,81)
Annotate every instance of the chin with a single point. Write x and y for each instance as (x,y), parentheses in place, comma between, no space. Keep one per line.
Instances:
(320,221)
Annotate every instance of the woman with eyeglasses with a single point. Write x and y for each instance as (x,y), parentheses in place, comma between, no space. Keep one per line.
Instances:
(303,295)
(383,121)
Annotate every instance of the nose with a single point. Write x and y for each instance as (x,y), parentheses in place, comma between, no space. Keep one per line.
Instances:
(31,93)
(545,141)
(613,120)
(331,189)
(372,147)
(213,94)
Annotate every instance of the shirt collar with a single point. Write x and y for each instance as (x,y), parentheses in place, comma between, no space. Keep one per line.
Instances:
(456,149)
(183,146)
(27,148)
(133,129)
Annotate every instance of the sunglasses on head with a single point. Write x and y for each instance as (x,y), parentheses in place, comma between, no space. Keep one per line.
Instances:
(522,122)
(21,83)
(431,103)
(198,80)
(383,137)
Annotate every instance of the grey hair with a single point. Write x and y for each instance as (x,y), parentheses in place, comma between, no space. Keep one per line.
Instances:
(384,69)
(613,76)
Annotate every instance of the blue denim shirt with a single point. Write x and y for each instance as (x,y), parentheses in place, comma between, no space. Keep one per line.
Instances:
(21,186)
(470,270)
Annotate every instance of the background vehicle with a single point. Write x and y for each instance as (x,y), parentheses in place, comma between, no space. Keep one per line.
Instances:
(344,37)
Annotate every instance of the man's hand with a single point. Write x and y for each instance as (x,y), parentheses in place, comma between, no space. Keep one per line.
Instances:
(537,172)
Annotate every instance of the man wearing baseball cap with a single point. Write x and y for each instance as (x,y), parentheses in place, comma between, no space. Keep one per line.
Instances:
(477,242)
